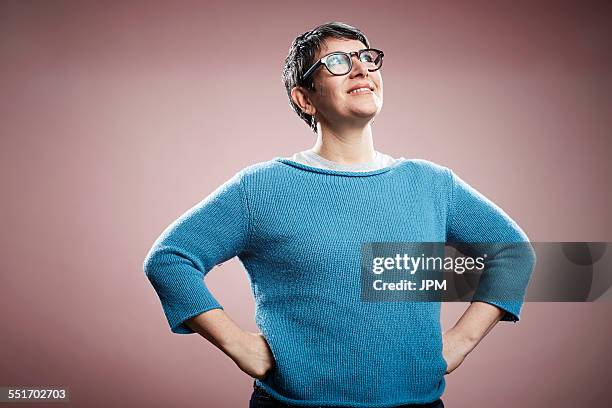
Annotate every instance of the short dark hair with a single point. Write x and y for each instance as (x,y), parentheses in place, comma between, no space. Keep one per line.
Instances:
(302,55)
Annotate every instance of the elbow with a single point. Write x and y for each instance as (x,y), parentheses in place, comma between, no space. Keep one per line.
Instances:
(530,256)
(149,266)
(164,259)
(153,263)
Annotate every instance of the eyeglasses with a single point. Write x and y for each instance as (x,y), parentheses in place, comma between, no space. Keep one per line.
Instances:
(341,63)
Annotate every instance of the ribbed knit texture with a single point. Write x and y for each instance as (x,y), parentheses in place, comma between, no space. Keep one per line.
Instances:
(298,232)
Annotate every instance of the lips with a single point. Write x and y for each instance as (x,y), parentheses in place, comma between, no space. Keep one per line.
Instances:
(360,91)
(363,87)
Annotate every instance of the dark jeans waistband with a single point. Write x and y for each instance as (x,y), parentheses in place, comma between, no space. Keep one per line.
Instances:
(261,399)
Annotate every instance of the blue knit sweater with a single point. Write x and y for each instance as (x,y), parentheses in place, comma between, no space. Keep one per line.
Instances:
(298,232)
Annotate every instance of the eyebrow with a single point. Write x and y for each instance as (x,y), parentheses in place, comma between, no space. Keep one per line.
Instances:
(331,52)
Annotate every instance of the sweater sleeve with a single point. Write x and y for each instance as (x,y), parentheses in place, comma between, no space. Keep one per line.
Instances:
(213,231)
(473,218)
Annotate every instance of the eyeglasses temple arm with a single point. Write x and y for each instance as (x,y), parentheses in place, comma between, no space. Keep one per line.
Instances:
(311,70)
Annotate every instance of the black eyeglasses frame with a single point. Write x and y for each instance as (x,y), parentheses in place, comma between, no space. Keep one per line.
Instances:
(350,55)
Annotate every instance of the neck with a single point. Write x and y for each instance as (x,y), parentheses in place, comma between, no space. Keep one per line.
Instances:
(345,146)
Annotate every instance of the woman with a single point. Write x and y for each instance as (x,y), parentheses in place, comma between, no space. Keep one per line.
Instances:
(298,224)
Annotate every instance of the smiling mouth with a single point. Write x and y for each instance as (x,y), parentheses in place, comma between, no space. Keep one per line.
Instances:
(360,91)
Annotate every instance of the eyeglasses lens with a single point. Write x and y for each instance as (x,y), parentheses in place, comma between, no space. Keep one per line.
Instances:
(370,58)
(340,64)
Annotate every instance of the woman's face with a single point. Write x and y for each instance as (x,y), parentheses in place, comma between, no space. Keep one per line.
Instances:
(332,98)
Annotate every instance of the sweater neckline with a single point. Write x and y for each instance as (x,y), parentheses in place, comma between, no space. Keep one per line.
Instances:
(339,172)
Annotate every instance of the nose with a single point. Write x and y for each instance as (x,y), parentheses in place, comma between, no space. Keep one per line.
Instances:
(359,68)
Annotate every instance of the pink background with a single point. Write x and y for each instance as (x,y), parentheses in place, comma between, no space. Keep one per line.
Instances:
(117,117)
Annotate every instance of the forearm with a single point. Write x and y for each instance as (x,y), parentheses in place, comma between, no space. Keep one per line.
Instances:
(249,351)
(475,323)
(217,327)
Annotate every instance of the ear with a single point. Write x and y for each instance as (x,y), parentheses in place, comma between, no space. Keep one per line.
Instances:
(300,97)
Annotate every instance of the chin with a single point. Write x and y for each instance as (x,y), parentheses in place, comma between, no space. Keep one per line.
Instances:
(369,113)
(362,118)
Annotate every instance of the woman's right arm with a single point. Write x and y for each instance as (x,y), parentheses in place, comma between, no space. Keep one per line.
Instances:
(213,231)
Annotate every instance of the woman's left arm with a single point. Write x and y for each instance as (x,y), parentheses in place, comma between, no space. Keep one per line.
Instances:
(475,223)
